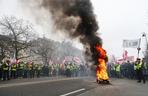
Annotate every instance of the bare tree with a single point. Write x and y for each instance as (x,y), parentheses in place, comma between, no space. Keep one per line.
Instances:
(67,49)
(43,47)
(5,47)
(51,50)
(20,32)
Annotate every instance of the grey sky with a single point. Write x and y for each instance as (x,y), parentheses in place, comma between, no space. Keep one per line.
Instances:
(121,19)
(118,20)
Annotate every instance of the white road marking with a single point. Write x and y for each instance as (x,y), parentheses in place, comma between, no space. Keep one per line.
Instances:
(73,92)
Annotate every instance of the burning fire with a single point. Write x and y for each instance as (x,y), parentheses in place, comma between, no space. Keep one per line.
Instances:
(101,70)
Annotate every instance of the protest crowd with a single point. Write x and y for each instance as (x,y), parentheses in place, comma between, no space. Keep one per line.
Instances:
(20,69)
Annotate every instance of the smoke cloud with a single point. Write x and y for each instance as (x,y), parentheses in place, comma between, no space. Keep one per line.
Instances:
(76,18)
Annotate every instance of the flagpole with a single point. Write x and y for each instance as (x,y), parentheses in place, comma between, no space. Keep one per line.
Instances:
(123,51)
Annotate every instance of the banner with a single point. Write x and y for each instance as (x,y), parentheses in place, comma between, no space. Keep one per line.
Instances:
(128,58)
(131,43)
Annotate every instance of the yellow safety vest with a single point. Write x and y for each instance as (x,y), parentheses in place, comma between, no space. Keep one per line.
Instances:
(5,67)
(21,66)
(117,68)
(14,67)
(138,66)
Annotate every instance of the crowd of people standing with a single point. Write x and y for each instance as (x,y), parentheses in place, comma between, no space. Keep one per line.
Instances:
(12,70)
(131,70)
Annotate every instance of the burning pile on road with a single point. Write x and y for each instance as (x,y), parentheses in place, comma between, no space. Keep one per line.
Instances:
(101,70)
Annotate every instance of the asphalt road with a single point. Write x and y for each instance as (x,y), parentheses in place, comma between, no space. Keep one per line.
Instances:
(62,87)
(72,87)
(119,87)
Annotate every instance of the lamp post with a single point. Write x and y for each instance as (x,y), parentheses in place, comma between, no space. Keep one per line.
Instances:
(144,35)
(146,51)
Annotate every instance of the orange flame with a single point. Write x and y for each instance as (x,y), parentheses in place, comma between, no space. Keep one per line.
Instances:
(101,70)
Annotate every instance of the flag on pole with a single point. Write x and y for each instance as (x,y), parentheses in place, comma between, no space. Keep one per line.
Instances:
(131,43)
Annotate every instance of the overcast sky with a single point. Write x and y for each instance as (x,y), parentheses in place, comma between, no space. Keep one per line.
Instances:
(118,20)
(121,19)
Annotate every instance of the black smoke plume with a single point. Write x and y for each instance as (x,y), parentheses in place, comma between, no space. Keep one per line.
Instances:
(76,18)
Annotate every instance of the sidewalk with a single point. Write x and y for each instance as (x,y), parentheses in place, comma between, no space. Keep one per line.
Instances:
(119,87)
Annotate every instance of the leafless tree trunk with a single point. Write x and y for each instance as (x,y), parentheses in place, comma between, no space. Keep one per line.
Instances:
(20,33)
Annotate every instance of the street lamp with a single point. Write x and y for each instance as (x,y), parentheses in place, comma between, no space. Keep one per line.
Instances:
(144,35)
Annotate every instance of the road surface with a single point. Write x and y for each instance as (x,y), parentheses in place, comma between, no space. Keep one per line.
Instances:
(71,87)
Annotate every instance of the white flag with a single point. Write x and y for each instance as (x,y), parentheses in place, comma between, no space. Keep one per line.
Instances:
(131,43)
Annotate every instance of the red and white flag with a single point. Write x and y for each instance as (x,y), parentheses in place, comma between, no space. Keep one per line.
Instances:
(125,54)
